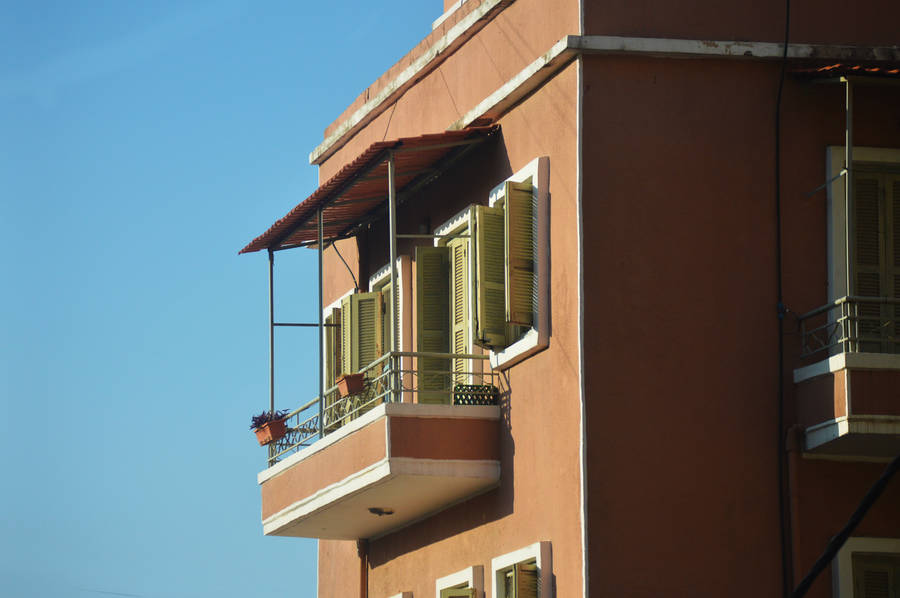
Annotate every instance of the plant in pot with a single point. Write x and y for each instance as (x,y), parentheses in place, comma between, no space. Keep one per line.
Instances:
(269,426)
(351,384)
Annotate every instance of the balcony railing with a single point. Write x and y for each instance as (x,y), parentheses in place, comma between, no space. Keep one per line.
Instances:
(851,325)
(444,377)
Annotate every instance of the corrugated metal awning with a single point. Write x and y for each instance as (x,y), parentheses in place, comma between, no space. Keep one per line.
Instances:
(359,190)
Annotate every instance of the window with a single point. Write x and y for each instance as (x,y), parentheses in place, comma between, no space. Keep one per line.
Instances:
(468,583)
(525,573)
(875,244)
(485,281)
(867,568)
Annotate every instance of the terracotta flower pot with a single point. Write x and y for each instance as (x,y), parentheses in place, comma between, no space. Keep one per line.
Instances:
(270,432)
(351,384)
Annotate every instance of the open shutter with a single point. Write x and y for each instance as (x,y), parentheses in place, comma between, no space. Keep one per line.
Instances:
(525,580)
(490,308)
(432,322)
(876,576)
(458,593)
(386,319)
(893,239)
(360,330)
(459,305)
(333,367)
(867,260)
(520,253)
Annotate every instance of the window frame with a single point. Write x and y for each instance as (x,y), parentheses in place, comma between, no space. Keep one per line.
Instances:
(540,553)
(463,223)
(472,576)
(536,338)
(842,565)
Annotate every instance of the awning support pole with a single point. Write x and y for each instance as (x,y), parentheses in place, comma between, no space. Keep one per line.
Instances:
(321,249)
(271,332)
(849,220)
(395,291)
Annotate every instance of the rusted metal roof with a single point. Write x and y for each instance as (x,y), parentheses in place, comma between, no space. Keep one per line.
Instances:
(843,69)
(360,189)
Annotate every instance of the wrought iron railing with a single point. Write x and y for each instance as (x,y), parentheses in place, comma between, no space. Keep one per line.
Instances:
(442,378)
(851,325)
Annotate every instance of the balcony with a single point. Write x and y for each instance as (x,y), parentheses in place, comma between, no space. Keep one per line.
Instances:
(362,465)
(848,397)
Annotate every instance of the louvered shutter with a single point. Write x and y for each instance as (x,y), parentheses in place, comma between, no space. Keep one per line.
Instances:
(387,320)
(867,260)
(432,322)
(490,301)
(525,580)
(458,593)
(333,367)
(519,210)
(360,330)
(892,184)
(876,576)
(459,305)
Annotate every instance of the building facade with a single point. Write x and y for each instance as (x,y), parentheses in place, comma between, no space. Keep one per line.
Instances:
(619,284)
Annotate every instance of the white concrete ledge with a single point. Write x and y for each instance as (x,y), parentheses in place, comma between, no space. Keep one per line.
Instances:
(848,361)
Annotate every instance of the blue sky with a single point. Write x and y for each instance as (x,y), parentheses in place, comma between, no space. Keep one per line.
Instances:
(141,146)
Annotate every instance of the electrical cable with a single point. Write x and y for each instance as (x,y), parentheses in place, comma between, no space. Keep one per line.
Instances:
(834,545)
(349,269)
(784,523)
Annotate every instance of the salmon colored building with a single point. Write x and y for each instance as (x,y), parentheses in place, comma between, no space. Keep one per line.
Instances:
(609,306)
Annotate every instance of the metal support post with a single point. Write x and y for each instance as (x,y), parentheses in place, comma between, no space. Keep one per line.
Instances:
(271,333)
(849,219)
(321,331)
(395,291)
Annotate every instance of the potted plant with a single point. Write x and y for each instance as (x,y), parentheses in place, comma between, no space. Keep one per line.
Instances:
(351,384)
(269,426)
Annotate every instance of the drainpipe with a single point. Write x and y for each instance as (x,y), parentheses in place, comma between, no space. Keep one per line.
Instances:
(362,549)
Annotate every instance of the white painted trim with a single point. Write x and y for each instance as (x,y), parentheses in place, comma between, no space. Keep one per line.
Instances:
(403,595)
(834,163)
(375,474)
(330,494)
(437,22)
(420,411)
(842,566)
(429,60)
(848,361)
(579,220)
(540,552)
(538,337)
(360,422)
(833,429)
(473,577)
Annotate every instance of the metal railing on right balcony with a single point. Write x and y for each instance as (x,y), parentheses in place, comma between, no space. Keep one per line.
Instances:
(441,378)
(851,325)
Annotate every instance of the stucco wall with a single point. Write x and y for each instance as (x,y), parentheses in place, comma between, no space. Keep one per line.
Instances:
(870,22)
(539,496)
(681,301)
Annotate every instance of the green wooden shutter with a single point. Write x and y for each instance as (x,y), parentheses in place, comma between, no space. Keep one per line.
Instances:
(490,300)
(876,576)
(867,260)
(333,367)
(432,322)
(525,580)
(459,305)
(387,321)
(520,224)
(360,330)
(893,239)
(458,593)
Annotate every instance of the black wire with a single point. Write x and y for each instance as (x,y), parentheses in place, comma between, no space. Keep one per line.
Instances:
(349,269)
(834,545)
(784,523)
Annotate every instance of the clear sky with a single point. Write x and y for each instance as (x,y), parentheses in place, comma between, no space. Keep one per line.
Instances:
(142,144)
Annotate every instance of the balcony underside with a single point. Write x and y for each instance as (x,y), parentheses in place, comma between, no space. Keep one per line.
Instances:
(856,436)
(394,465)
